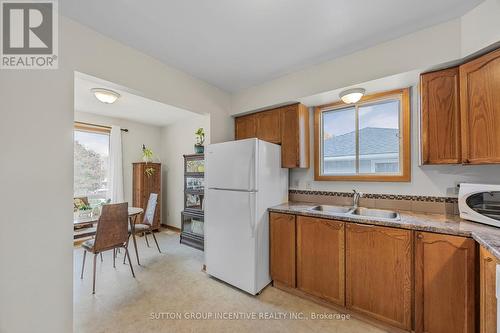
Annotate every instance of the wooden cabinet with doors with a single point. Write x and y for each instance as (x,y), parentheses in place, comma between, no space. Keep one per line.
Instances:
(146,179)
(379,273)
(287,125)
(444,283)
(282,249)
(487,297)
(295,136)
(460,113)
(268,126)
(245,127)
(320,258)
(480,109)
(440,117)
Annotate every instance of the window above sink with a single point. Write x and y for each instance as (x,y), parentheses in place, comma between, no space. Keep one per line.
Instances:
(364,141)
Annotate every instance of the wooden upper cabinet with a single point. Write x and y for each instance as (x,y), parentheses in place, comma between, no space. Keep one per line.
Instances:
(487,298)
(295,136)
(282,248)
(287,125)
(268,126)
(444,283)
(245,127)
(480,109)
(379,273)
(320,258)
(440,117)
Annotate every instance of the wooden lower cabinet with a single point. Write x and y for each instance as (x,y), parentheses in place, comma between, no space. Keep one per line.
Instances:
(488,299)
(282,248)
(444,283)
(379,273)
(320,258)
(412,280)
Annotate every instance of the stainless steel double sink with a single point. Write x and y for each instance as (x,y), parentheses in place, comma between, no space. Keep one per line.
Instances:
(358,212)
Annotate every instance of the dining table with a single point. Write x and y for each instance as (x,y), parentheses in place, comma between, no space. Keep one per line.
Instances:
(92,219)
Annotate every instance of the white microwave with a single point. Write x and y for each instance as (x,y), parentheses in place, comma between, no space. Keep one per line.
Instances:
(480,203)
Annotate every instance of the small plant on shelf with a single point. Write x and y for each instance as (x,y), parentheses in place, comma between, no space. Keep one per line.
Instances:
(148,157)
(84,207)
(147,154)
(200,140)
(84,210)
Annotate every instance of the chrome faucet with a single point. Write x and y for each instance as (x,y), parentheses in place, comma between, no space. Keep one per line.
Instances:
(355,199)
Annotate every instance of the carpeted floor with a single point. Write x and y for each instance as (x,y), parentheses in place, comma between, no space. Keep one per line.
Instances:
(172,294)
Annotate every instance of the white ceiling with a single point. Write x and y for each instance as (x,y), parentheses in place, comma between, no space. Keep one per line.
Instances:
(129,106)
(236,44)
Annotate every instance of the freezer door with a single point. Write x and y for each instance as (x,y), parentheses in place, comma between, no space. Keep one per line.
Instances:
(232,165)
(230,247)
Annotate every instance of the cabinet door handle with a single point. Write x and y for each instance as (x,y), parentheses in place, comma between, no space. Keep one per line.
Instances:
(420,236)
(488,259)
(360,225)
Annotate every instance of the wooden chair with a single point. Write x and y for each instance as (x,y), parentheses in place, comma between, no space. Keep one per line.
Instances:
(111,234)
(147,224)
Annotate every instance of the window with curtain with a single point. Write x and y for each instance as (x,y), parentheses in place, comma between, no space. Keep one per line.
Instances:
(91,163)
(368,140)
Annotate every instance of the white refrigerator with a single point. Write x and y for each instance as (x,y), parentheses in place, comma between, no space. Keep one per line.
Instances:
(243,179)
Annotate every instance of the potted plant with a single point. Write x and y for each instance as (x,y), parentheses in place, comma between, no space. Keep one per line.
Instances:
(200,140)
(147,157)
(147,154)
(85,210)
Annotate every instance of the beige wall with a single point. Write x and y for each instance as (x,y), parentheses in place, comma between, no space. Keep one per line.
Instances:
(177,140)
(132,142)
(480,27)
(36,170)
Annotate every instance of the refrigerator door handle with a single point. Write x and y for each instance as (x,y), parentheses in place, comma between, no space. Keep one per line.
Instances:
(251,204)
(251,174)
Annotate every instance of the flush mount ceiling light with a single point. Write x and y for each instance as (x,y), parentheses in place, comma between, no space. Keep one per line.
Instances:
(353,95)
(105,95)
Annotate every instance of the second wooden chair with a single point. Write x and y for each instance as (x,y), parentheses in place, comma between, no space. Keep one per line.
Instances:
(147,224)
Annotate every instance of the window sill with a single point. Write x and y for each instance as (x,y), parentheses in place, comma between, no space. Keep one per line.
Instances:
(365,178)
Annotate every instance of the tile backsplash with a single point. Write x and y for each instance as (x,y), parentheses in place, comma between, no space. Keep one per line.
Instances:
(421,204)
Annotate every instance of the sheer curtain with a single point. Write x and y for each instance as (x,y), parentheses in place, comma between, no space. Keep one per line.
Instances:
(115,183)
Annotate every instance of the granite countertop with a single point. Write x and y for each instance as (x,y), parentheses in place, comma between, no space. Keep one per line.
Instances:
(487,236)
